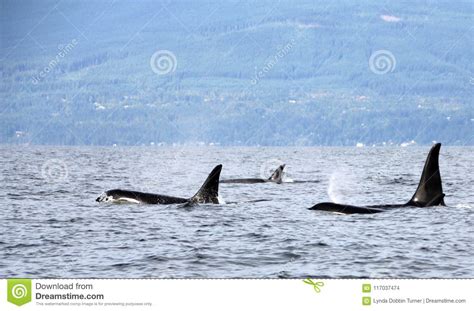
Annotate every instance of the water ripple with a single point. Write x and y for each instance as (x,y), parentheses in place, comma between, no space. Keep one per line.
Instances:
(54,228)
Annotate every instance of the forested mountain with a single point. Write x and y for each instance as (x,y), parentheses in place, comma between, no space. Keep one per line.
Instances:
(236,72)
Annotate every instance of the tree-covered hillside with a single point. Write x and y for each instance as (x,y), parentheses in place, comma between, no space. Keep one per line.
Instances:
(236,72)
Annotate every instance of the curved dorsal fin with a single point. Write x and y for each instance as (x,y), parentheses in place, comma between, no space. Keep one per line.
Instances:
(209,191)
(430,190)
(278,174)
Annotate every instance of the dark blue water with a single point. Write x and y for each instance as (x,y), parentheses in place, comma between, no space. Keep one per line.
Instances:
(50,225)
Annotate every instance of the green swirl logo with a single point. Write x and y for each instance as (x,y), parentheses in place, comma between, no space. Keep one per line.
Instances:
(19,291)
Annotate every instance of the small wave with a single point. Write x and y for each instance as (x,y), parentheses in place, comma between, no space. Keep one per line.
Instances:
(256,235)
(48,241)
(156,258)
(201,256)
(123,247)
(396,181)
(210,224)
(289,255)
(258,200)
(306,181)
(121,265)
(318,244)
(462,205)
(74,219)
(283,275)
(220,200)
(22,245)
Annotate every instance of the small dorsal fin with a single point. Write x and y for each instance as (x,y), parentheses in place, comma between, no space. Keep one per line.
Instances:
(209,191)
(430,190)
(277,175)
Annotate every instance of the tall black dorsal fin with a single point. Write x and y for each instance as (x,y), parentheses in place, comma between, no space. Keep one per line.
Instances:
(430,190)
(277,175)
(209,191)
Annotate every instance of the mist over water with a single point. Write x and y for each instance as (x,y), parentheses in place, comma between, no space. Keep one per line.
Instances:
(51,226)
(342,185)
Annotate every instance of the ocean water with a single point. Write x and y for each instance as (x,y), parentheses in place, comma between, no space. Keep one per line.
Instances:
(51,226)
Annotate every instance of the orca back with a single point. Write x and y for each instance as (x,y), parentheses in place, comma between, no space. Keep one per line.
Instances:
(344,208)
(430,190)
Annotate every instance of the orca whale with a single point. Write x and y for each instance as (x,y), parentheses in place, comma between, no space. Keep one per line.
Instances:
(277,177)
(208,193)
(428,193)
